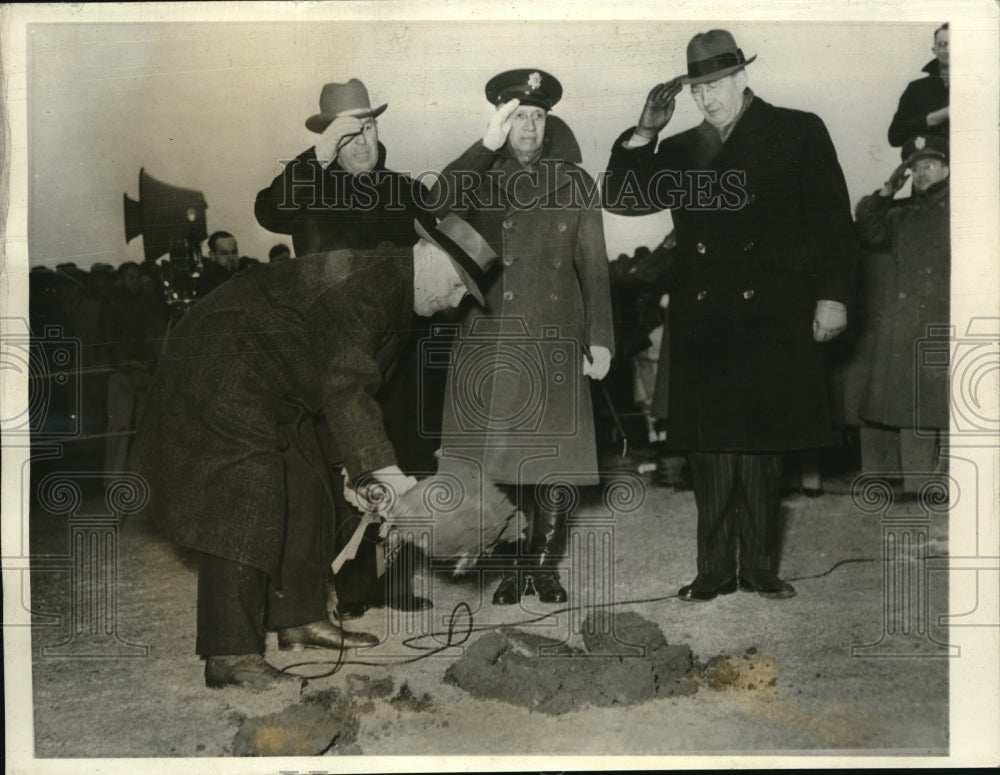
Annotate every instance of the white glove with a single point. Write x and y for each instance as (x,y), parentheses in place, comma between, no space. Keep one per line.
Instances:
(829,321)
(499,126)
(380,490)
(334,137)
(597,366)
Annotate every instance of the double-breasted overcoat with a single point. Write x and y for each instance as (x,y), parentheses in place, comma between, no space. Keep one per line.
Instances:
(315,335)
(764,230)
(516,400)
(908,387)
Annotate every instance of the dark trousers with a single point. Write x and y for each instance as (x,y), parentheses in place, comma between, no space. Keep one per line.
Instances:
(737,495)
(238,603)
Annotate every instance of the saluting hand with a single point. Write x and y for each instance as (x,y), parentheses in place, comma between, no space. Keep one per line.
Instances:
(659,108)
(334,137)
(499,126)
(896,181)
(829,321)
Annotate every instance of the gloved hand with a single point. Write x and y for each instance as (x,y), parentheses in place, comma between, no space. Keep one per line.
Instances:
(659,108)
(340,132)
(829,321)
(896,181)
(378,491)
(499,126)
(597,366)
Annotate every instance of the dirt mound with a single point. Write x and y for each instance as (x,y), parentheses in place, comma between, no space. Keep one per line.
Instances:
(626,659)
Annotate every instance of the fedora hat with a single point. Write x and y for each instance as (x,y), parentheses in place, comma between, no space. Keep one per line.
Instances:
(468,250)
(530,85)
(342,99)
(712,55)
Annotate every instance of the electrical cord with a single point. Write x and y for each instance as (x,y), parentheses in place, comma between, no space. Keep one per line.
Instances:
(453,621)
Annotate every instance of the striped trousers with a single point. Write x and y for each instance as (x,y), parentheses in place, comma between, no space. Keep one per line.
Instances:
(737,495)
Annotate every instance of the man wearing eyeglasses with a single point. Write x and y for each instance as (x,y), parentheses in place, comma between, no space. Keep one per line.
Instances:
(766,256)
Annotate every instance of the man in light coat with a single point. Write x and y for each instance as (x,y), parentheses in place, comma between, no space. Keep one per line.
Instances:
(518,397)
(765,262)
(237,391)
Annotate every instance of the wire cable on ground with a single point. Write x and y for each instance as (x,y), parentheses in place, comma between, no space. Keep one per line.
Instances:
(457,632)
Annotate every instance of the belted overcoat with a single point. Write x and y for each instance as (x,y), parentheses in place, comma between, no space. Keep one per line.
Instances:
(516,400)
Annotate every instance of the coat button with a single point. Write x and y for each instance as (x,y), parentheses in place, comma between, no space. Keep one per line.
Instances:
(748,246)
(553,297)
(702,295)
(508,223)
(557,263)
(508,295)
(562,226)
(902,295)
(700,247)
(748,294)
(752,198)
(507,260)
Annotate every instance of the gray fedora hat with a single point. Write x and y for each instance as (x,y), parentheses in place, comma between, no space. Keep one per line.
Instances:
(342,99)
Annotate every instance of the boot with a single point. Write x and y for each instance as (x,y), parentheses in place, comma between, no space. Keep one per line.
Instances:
(547,545)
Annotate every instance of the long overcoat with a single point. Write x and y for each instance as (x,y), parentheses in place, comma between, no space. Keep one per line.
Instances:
(920,97)
(314,335)
(908,387)
(764,230)
(516,400)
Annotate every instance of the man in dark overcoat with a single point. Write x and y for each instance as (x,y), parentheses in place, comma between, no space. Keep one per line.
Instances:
(335,195)
(518,398)
(766,256)
(915,311)
(240,383)
(923,106)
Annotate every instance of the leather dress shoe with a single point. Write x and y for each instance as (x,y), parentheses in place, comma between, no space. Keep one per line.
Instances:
(248,671)
(354,610)
(322,635)
(707,586)
(546,584)
(766,584)
(509,590)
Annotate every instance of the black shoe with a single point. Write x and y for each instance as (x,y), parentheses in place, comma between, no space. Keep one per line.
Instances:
(509,590)
(353,610)
(322,635)
(248,671)
(546,584)
(409,603)
(766,584)
(707,586)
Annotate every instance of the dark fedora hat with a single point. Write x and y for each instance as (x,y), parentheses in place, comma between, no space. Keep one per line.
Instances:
(532,86)
(468,250)
(712,55)
(925,147)
(342,99)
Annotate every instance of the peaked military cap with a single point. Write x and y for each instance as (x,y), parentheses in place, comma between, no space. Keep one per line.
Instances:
(532,86)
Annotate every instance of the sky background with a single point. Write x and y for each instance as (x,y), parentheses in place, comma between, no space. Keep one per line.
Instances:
(216,106)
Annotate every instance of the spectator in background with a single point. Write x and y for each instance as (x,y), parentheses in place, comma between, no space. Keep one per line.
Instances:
(279,252)
(133,327)
(917,231)
(222,262)
(923,108)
